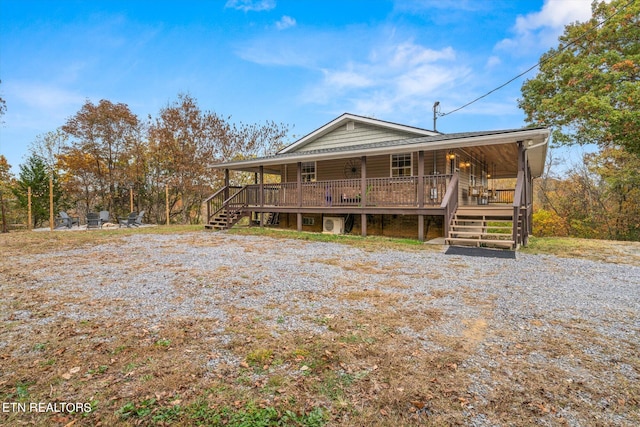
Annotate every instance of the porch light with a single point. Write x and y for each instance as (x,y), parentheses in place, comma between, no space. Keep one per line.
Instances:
(451,156)
(467,163)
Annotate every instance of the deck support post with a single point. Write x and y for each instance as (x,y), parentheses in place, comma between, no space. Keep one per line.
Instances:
(262,195)
(421,228)
(363,194)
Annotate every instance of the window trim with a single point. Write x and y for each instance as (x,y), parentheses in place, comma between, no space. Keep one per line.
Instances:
(313,175)
(392,168)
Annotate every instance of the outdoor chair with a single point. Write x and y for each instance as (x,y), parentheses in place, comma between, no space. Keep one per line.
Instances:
(104,217)
(93,220)
(67,221)
(129,221)
(138,221)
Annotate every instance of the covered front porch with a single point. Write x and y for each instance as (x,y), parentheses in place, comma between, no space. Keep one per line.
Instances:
(423,178)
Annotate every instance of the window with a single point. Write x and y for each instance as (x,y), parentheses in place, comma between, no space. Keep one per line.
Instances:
(308,171)
(401,165)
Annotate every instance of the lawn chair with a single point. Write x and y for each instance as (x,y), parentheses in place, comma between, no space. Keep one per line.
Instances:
(93,220)
(129,221)
(67,221)
(138,221)
(104,218)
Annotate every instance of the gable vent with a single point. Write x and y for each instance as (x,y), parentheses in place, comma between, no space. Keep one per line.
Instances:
(351,125)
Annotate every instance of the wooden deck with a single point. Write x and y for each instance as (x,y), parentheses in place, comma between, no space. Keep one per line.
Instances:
(435,195)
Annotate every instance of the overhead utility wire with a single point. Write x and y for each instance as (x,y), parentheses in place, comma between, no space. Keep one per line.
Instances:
(541,62)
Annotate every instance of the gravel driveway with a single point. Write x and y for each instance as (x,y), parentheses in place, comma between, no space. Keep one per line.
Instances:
(508,314)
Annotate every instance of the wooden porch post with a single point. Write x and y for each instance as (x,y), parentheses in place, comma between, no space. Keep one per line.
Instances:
(420,179)
(526,223)
(421,194)
(363,194)
(299,182)
(226,184)
(261,195)
(522,166)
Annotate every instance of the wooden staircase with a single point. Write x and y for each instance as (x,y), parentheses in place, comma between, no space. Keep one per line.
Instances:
(224,219)
(482,227)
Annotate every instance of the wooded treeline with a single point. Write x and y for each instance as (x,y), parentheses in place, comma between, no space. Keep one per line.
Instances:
(588,92)
(105,151)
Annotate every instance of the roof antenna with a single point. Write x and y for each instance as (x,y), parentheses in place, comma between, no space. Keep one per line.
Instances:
(436,113)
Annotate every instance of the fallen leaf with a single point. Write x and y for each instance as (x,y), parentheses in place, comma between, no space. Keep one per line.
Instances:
(383,412)
(304,368)
(75,370)
(418,404)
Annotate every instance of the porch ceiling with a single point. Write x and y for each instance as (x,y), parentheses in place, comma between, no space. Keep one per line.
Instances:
(502,160)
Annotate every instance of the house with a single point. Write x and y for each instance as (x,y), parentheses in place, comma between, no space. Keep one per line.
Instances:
(367,176)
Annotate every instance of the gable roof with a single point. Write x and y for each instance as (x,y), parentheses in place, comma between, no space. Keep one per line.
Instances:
(345,118)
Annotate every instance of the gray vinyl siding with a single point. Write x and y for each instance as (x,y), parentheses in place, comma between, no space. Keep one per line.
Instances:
(361,134)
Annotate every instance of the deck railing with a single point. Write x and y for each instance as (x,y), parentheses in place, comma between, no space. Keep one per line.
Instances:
(215,202)
(502,196)
(518,206)
(435,187)
(450,202)
(380,192)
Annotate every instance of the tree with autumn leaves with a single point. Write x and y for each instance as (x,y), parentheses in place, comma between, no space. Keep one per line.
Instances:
(104,151)
(588,92)
(185,141)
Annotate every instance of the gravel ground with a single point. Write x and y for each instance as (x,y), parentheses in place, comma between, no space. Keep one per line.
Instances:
(498,305)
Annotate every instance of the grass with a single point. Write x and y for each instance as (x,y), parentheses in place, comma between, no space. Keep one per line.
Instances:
(369,242)
(597,250)
(46,241)
(359,367)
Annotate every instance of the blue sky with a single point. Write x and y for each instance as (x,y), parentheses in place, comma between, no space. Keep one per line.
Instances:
(298,62)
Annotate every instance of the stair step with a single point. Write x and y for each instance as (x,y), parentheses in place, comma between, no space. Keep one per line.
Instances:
(471,233)
(497,227)
(477,242)
(503,220)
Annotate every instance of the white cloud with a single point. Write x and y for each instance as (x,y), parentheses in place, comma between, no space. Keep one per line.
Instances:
(401,77)
(409,54)
(43,97)
(493,61)
(541,29)
(285,22)
(251,5)
(346,79)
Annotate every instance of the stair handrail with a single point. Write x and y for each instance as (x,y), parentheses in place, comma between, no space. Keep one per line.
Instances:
(517,203)
(232,201)
(450,201)
(218,196)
